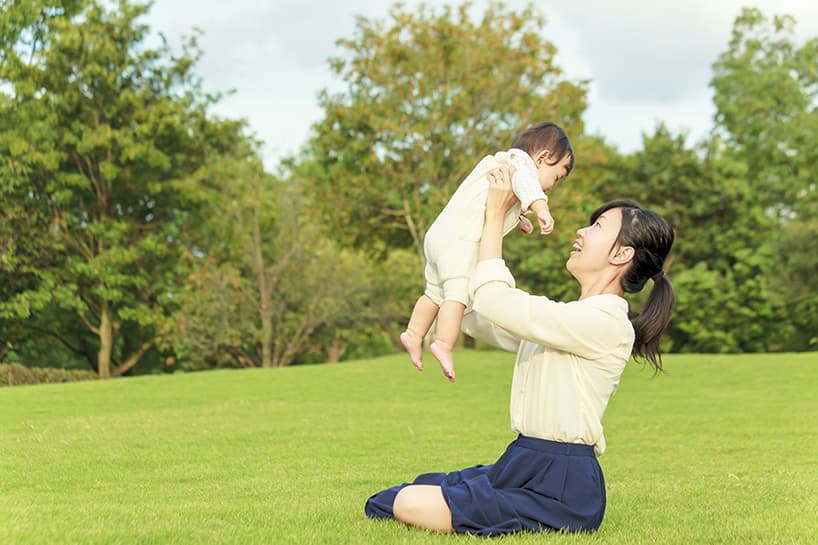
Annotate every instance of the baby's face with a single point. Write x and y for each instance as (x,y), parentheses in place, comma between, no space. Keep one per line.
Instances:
(550,175)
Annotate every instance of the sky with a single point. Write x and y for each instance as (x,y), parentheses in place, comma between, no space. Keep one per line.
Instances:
(648,60)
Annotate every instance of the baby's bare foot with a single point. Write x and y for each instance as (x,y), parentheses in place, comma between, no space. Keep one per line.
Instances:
(443,353)
(413,344)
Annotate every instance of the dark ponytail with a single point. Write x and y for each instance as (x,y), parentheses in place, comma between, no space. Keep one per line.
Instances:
(651,238)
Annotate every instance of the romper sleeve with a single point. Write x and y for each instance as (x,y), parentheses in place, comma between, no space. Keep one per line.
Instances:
(583,328)
(526,186)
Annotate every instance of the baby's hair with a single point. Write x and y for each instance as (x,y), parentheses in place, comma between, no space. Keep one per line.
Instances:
(545,136)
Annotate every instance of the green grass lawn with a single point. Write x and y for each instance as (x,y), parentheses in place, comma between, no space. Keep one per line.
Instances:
(721,449)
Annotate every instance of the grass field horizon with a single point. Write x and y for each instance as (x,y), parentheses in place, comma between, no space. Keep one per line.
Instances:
(720,449)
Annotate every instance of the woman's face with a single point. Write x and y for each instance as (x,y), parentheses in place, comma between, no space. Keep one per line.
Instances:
(595,245)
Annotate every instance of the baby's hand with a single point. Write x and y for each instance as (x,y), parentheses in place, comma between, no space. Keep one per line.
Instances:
(524,225)
(544,218)
(546,222)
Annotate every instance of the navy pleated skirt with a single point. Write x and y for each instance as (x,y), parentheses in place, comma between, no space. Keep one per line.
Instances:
(535,485)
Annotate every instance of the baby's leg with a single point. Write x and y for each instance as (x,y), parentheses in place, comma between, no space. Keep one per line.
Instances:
(448,328)
(423,315)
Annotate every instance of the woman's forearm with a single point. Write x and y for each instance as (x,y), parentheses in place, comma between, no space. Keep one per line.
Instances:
(499,200)
(491,241)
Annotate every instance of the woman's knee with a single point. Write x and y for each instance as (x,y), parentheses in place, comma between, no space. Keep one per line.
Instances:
(423,506)
(402,506)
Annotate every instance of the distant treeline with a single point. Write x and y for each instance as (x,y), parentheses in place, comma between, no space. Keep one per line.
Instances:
(141,233)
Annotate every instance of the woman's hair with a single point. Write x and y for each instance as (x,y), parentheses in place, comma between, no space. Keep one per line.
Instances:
(651,238)
(545,136)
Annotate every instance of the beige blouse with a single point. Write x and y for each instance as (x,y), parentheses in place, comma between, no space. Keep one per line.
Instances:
(570,356)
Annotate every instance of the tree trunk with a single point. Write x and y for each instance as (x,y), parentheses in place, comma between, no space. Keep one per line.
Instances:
(336,350)
(416,233)
(106,341)
(266,336)
(264,289)
(132,359)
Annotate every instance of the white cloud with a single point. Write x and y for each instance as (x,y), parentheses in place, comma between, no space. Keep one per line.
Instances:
(649,60)
(636,52)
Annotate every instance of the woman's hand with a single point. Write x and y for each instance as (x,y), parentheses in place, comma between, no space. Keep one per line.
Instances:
(500,196)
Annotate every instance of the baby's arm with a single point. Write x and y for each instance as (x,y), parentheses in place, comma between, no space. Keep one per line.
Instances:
(544,218)
(527,188)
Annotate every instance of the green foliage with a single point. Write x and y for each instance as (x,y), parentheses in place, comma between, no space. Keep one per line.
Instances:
(267,286)
(380,314)
(97,130)
(429,92)
(717,313)
(136,229)
(721,253)
(766,87)
(794,284)
(765,95)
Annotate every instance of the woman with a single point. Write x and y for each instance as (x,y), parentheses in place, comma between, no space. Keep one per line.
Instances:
(570,357)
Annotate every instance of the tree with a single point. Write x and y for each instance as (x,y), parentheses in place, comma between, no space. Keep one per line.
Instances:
(765,90)
(25,247)
(380,312)
(794,284)
(721,251)
(98,130)
(264,280)
(428,94)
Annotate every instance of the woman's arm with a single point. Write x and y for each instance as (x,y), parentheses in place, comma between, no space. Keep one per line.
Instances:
(483,329)
(499,200)
(589,328)
(583,328)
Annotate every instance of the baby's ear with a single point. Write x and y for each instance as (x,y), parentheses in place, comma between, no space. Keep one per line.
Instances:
(544,155)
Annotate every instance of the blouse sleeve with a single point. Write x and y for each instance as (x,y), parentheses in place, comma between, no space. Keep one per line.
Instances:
(480,327)
(578,327)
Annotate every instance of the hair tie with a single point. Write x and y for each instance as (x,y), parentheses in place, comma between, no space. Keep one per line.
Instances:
(658,275)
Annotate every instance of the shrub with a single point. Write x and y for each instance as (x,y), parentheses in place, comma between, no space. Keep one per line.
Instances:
(13,374)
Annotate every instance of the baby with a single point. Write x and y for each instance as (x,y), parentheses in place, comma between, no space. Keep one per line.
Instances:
(540,157)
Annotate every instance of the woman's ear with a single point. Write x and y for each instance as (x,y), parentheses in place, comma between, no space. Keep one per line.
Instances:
(623,255)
